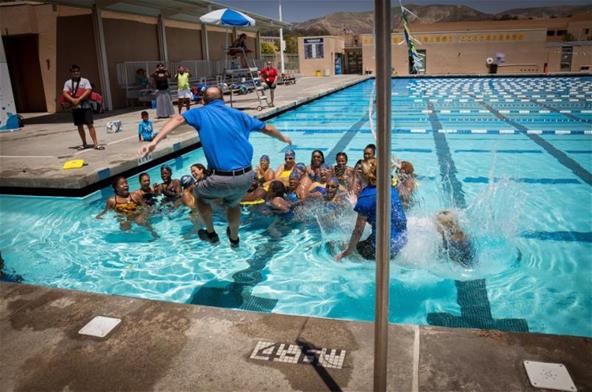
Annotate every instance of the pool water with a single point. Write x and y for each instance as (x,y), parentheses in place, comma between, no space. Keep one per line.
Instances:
(511,155)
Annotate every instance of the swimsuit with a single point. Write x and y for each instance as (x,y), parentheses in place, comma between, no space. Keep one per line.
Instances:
(125,208)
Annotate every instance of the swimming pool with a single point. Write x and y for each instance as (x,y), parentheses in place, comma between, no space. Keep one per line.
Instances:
(513,155)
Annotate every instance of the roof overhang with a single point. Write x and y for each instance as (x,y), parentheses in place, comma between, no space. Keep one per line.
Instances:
(184,10)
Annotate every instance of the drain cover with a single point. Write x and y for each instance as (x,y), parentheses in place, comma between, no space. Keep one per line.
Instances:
(100,326)
(549,376)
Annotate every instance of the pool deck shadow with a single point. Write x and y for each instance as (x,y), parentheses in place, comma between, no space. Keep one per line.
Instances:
(179,347)
(33,157)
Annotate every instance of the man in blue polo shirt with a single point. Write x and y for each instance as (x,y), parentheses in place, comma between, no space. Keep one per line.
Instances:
(224,135)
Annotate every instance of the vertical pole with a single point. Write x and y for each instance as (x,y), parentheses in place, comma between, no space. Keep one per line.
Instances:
(258,45)
(162,41)
(382,28)
(102,58)
(205,46)
(282,46)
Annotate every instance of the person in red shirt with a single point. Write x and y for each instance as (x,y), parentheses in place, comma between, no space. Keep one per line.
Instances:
(269,75)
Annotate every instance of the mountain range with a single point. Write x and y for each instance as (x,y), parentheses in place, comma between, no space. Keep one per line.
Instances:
(362,22)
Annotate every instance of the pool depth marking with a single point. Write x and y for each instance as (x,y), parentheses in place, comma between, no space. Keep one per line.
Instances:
(299,354)
(475,309)
(562,157)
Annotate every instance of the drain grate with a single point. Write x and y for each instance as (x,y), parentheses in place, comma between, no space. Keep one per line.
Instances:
(549,376)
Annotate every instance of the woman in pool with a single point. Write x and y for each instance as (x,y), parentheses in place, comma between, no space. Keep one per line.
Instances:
(406,183)
(145,193)
(283,171)
(263,173)
(190,201)
(317,159)
(318,188)
(127,206)
(276,202)
(455,243)
(170,188)
(198,172)
(366,209)
(255,195)
(341,171)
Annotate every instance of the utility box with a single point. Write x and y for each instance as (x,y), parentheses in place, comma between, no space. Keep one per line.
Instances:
(320,53)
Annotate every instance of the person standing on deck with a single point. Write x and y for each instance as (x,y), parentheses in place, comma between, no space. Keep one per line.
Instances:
(224,134)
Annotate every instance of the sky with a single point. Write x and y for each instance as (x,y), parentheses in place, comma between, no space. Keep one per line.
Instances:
(301,10)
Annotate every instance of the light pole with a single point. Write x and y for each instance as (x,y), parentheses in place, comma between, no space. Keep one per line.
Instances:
(282,69)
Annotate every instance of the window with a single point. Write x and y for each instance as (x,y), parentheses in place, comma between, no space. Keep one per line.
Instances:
(566,55)
(550,33)
(314,48)
(561,32)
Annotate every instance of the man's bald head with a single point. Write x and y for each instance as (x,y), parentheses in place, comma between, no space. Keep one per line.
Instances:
(212,93)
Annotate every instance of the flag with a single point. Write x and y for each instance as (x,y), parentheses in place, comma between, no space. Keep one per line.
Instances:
(415,60)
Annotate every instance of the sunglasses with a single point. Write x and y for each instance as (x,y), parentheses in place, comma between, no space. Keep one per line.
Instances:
(289,158)
(333,186)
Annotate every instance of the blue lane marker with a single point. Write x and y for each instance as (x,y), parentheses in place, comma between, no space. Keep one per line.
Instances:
(568,236)
(294,147)
(486,180)
(501,151)
(562,157)
(451,184)
(578,151)
(347,137)
(426,150)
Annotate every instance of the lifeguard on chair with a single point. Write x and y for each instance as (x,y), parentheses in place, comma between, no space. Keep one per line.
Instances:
(239,50)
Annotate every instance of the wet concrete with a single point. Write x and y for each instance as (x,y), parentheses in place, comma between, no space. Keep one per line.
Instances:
(177,347)
(33,156)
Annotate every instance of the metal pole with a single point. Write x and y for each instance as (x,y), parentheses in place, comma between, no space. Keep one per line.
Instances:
(382,28)
(162,40)
(282,67)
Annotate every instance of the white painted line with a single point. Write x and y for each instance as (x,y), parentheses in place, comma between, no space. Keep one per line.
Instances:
(565,111)
(445,111)
(464,111)
(447,130)
(523,111)
(416,347)
(524,100)
(120,140)
(585,111)
(534,131)
(416,130)
(504,111)
(426,111)
(479,131)
(507,131)
(544,111)
(463,100)
(27,156)
(587,132)
(562,132)
(483,111)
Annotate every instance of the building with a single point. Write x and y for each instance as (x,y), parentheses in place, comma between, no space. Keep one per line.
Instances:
(517,46)
(105,37)
(321,55)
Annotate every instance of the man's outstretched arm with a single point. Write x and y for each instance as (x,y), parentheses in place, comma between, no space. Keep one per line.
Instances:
(272,131)
(166,129)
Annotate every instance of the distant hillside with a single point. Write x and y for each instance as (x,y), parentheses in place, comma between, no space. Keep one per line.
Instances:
(362,22)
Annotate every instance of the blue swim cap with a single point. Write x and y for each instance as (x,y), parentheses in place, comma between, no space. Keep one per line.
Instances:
(166,167)
(295,174)
(264,157)
(290,153)
(300,166)
(186,181)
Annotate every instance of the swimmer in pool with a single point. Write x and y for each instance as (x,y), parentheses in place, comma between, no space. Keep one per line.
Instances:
(455,242)
(170,188)
(406,183)
(198,172)
(283,171)
(127,206)
(317,159)
(189,199)
(145,192)
(263,173)
(341,171)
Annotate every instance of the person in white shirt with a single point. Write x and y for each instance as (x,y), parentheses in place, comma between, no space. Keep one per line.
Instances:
(77,92)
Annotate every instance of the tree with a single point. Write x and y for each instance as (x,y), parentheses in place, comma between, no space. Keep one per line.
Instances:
(291,44)
(268,48)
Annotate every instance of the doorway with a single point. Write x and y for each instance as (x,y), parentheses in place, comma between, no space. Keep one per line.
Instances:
(22,57)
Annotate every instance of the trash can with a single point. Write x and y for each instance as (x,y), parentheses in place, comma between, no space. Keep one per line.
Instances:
(318,72)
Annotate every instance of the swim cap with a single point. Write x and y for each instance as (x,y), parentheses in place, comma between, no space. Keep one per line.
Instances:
(264,157)
(166,167)
(294,174)
(300,166)
(186,181)
(290,153)
(333,180)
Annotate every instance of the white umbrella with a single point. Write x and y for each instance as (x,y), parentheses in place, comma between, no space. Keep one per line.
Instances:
(227,17)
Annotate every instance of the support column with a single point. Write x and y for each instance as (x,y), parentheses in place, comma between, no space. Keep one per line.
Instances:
(205,45)
(102,58)
(258,46)
(162,41)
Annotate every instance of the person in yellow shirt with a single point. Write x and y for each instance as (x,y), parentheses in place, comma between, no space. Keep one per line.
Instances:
(183,88)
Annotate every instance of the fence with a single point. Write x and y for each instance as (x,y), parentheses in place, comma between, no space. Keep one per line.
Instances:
(202,71)
(290,61)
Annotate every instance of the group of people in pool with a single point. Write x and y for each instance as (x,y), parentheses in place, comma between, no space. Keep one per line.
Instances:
(296,185)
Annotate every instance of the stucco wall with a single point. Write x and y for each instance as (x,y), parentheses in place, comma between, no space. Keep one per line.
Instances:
(183,44)
(142,45)
(326,65)
(41,20)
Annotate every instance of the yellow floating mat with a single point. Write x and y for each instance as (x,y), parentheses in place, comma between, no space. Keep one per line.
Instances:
(74,164)
(252,203)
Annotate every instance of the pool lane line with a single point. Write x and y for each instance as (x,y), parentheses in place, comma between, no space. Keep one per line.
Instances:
(347,137)
(550,108)
(452,186)
(238,293)
(564,236)
(562,157)
(486,180)
(475,309)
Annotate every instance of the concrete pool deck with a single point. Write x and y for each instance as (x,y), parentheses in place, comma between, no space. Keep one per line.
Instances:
(177,347)
(33,156)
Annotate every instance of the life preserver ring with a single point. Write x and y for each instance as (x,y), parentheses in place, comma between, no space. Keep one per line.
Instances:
(489,61)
